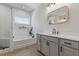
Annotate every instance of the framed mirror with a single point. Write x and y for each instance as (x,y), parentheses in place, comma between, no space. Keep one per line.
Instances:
(60,15)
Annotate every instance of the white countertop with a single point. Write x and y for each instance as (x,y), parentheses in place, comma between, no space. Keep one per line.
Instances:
(65,36)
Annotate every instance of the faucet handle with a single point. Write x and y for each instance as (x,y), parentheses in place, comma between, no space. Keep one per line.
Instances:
(53,31)
(57,32)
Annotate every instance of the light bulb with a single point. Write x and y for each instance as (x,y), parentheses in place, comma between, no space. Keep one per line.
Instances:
(52,4)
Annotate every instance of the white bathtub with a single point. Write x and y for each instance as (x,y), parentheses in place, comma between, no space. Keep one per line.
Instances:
(22,42)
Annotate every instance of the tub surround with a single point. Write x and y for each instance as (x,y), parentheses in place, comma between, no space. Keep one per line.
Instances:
(23,42)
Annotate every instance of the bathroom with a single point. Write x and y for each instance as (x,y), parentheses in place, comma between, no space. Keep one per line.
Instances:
(23,24)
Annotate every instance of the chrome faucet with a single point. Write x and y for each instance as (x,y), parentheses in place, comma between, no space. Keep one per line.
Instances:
(55,31)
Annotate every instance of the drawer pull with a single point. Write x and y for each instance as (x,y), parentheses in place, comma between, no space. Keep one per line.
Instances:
(67,43)
(61,48)
(47,43)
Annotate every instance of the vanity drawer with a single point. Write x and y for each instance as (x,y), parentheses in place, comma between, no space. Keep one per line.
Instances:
(50,38)
(69,43)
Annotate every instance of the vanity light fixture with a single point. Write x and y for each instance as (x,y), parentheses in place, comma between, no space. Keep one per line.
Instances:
(51,4)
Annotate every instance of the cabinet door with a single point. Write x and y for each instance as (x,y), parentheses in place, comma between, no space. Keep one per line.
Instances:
(66,51)
(53,49)
(38,41)
(45,46)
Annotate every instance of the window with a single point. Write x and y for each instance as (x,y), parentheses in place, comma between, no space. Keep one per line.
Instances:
(22,20)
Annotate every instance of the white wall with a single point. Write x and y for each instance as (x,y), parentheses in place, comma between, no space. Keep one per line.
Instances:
(40,22)
(5,22)
(5,26)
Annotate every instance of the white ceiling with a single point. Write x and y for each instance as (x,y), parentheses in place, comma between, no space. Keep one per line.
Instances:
(25,6)
(33,5)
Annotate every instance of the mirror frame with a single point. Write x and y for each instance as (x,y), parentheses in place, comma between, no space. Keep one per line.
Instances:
(61,8)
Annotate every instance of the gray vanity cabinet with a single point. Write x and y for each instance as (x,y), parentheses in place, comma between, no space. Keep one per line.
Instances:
(66,51)
(54,46)
(53,49)
(45,46)
(38,42)
(48,47)
(68,48)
